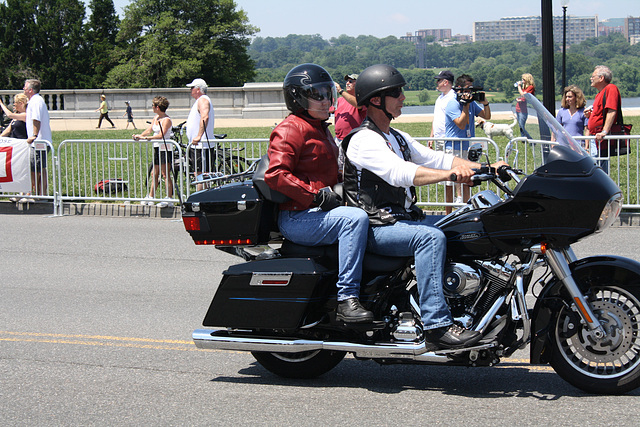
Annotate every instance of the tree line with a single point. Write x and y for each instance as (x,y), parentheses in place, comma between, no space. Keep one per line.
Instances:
(163,43)
(494,65)
(158,43)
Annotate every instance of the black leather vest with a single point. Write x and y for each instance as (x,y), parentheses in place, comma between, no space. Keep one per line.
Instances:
(383,202)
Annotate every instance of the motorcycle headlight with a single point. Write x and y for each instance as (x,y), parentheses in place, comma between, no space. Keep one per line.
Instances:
(610,212)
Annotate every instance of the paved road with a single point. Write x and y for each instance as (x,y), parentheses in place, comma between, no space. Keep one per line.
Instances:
(95,321)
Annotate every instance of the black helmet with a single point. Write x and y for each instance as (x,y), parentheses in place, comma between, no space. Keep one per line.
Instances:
(376,79)
(307,81)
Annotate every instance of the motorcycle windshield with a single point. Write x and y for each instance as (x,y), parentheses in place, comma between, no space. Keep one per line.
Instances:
(544,129)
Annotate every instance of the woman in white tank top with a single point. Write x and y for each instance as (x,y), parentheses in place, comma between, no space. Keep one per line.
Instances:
(160,132)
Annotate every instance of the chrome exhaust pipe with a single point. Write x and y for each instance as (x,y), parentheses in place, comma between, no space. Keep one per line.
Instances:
(224,340)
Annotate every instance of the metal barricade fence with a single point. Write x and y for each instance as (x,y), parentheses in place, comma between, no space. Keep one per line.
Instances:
(227,156)
(434,195)
(624,170)
(42,169)
(123,170)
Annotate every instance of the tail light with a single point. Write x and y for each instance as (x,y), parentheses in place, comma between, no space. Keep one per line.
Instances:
(191,223)
(224,242)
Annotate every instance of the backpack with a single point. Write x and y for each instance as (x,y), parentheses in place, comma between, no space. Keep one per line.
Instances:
(111,186)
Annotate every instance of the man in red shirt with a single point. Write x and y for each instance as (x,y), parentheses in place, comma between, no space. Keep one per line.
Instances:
(602,115)
(348,115)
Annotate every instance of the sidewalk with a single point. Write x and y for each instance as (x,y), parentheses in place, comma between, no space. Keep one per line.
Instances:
(45,208)
(90,124)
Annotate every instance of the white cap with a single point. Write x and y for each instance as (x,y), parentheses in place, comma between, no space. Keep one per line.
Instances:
(198,83)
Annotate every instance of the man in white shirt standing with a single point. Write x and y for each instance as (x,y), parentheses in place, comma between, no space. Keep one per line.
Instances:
(38,128)
(200,129)
(444,85)
(438,128)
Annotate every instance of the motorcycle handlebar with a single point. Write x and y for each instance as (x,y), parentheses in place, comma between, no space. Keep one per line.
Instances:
(487,173)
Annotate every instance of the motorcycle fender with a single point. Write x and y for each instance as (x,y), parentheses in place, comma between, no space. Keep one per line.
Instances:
(625,271)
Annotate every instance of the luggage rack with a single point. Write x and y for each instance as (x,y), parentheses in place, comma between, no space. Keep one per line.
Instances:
(214,179)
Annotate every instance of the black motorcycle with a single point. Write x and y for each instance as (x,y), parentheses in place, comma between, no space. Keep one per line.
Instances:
(280,303)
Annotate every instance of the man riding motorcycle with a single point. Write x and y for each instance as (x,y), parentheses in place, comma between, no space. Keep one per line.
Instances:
(382,167)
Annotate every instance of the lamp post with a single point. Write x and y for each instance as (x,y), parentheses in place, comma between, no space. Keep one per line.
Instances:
(548,69)
(564,45)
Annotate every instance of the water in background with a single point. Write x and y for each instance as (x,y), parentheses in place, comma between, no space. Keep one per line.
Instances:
(510,107)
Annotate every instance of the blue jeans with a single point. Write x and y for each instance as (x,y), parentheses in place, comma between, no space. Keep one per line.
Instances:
(604,164)
(428,245)
(522,121)
(345,225)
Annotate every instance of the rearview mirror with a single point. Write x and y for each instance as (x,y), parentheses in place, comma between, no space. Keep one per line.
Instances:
(475,152)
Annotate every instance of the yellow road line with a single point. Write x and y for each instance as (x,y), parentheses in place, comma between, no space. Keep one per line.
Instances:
(131,342)
(95,337)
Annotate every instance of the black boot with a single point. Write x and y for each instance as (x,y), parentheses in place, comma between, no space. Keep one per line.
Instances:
(452,336)
(351,311)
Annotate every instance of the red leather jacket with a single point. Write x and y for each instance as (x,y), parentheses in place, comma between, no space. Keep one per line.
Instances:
(303,158)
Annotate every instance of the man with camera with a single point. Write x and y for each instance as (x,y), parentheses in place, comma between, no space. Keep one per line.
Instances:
(460,123)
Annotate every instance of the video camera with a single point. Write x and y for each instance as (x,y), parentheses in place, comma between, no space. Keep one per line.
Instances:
(477,94)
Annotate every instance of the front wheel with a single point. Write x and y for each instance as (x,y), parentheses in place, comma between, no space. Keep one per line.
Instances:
(606,366)
(306,364)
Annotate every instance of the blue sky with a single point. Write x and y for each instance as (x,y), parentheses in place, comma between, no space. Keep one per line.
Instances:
(380,18)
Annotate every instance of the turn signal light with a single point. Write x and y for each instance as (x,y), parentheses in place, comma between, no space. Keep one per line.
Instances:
(224,242)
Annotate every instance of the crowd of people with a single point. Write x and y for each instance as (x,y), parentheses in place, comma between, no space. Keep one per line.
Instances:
(454,116)
(30,122)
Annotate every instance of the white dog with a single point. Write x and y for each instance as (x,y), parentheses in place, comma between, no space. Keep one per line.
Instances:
(494,129)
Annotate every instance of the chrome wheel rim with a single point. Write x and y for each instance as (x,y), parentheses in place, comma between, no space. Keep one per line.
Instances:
(296,357)
(619,352)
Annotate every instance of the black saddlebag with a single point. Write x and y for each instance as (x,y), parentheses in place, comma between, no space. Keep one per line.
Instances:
(270,294)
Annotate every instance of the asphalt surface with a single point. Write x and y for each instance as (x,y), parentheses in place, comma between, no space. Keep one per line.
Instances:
(96,315)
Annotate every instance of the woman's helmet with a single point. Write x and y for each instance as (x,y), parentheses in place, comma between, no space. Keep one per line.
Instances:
(375,80)
(307,81)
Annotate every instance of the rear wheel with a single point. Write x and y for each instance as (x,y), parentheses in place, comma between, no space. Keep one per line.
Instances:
(610,365)
(306,364)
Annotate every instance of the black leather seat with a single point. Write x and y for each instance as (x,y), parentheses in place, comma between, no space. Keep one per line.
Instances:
(372,262)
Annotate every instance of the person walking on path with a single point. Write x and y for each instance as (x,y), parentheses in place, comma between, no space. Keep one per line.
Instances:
(104,112)
(129,114)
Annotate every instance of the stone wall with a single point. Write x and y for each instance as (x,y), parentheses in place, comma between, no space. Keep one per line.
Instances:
(252,101)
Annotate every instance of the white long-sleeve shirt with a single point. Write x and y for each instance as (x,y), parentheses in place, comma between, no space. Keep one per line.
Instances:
(368,150)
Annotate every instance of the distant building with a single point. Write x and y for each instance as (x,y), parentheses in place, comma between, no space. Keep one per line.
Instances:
(411,38)
(579,28)
(441,36)
(608,26)
(632,29)
(437,33)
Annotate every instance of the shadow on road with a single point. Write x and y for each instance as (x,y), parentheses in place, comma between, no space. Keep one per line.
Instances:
(507,380)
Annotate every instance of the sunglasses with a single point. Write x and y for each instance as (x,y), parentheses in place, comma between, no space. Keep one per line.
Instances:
(320,94)
(394,93)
